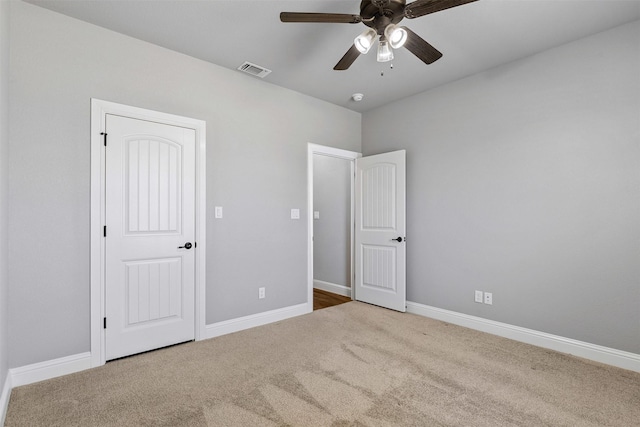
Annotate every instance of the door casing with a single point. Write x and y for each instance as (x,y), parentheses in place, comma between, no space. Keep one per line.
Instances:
(99,110)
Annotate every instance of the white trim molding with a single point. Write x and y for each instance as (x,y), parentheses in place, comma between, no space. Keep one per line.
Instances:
(241,323)
(41,371)
(99,110)
(49,369)
(609,356)
(332,287)
(4,398)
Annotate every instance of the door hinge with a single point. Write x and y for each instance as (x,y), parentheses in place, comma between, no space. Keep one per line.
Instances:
(104,324)
(105,137)
(104,231)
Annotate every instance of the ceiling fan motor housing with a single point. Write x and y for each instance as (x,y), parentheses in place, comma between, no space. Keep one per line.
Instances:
(378,14)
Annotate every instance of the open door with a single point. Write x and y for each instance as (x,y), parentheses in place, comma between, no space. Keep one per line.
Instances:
(380,248)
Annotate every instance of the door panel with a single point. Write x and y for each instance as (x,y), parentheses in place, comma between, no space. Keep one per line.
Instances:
(379,270)
(379,196)
(150,214)
(153,290)
(153,200)
(380,219)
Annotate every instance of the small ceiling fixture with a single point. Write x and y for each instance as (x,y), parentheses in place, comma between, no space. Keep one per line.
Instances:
(357,97)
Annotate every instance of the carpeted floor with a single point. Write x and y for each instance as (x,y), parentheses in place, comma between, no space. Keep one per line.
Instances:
(349,365)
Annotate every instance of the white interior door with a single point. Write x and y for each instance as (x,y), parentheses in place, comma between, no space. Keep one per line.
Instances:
(150,216)
(380,249)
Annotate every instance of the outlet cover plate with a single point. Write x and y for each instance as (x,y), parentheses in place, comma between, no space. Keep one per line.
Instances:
(488,298)
(478,297)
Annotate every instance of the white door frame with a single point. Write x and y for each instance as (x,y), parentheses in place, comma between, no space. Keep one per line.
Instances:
(322,150)
(99,110)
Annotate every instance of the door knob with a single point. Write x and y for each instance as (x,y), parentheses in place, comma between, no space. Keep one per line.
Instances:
(399,239)
(186,246)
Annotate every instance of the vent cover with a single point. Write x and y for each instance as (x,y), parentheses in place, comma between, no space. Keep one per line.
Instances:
(254,70)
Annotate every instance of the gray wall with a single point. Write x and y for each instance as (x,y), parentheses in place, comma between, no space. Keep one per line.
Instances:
(257,136)
(524,181)
(332,232)
(4,149)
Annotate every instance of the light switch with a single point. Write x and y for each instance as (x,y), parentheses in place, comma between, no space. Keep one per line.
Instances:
(316,214)
(218,212)
(295,213)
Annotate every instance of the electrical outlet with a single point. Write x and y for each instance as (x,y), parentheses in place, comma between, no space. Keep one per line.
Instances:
(261,293)
(488,298)
(479,296)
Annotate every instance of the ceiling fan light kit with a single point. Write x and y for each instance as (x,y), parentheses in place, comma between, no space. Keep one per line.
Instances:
(382,17)
(385,54)
(397,36)
(365,40)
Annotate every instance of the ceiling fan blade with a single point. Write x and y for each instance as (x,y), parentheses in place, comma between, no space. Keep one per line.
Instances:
(424,7)
(348,59)
(420,48)
(337,18)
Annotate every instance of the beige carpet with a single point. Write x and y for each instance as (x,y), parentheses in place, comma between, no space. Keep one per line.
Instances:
(349,365)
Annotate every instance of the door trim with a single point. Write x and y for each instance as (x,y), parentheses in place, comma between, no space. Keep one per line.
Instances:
(99,110)
(322,150)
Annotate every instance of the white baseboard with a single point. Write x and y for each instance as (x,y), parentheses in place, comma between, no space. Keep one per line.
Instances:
(39,372)
(610,356)
(4,398)
(79,362)
(49,369)
(242,323)
(332,287)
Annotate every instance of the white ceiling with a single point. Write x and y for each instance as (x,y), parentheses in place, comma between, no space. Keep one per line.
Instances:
(473,38)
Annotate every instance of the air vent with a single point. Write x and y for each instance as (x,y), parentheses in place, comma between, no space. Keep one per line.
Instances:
(254,70)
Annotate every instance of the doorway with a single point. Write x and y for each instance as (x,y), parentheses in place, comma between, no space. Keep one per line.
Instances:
(147,230)
(331,220)
(377,227)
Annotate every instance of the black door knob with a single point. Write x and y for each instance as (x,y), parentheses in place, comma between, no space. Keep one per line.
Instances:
(186,246)
(399,239)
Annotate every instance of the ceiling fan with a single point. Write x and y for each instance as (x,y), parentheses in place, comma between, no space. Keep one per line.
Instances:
(382,17)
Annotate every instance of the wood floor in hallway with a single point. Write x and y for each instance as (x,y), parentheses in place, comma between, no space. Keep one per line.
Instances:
(323,299)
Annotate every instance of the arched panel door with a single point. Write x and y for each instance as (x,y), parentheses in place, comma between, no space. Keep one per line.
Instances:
(380,230)
(150,232)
